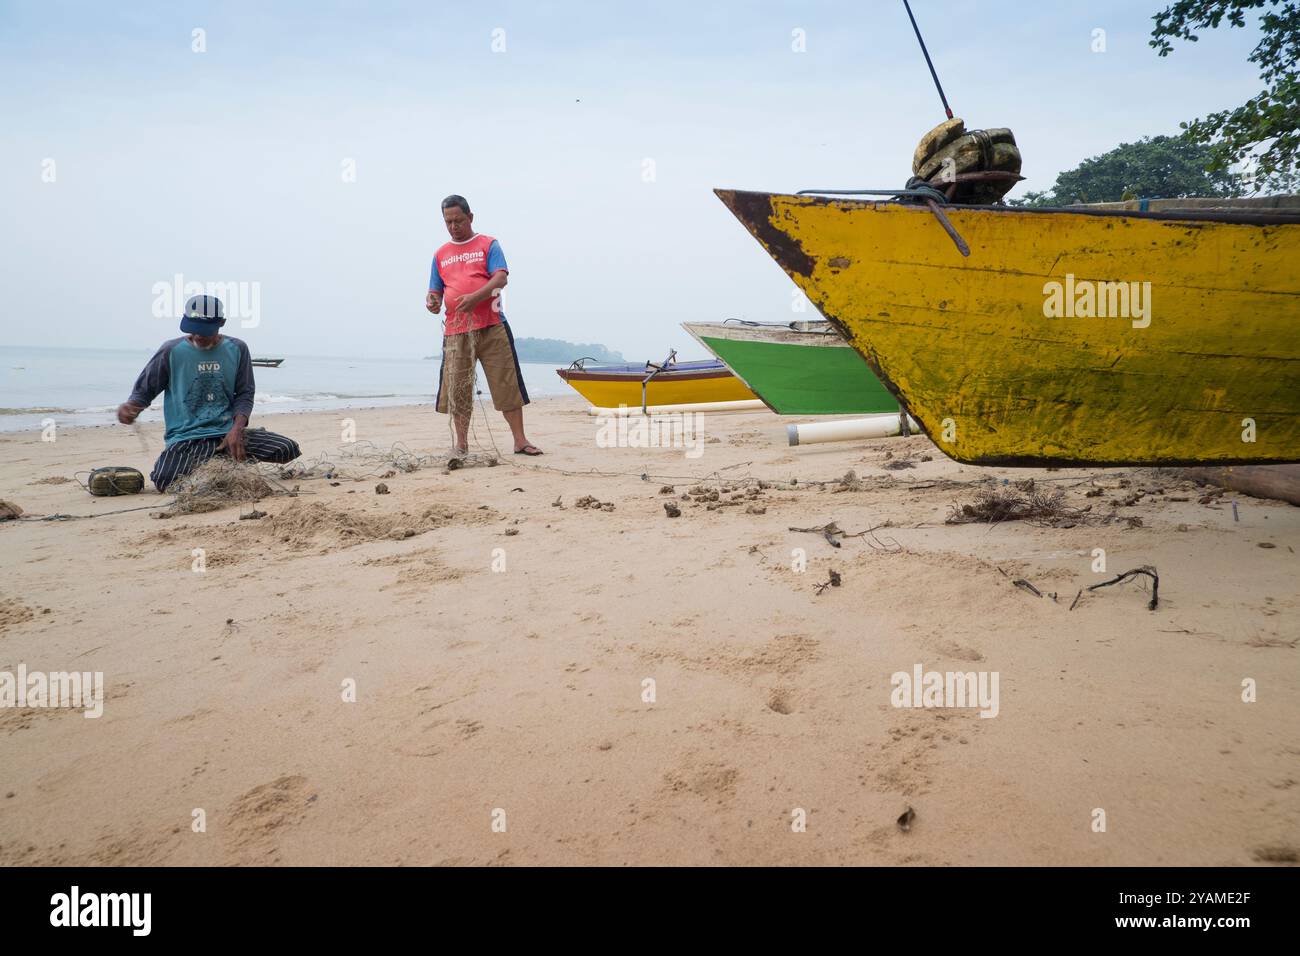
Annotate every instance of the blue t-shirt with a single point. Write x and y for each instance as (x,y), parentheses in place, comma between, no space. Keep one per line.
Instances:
(205,388)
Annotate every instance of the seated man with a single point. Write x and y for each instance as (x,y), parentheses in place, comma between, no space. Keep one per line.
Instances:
(208,378)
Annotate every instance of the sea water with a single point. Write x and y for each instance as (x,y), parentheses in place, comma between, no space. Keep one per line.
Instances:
(84,386)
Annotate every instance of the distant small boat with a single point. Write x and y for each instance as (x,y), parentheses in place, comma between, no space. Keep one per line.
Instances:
(796,368)
(1034,349)
(267,363)
(666,383)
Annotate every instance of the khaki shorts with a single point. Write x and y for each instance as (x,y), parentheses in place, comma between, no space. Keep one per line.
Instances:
(494,349)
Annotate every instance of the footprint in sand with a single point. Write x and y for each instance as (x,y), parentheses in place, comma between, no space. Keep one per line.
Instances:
(710,780)
(780,701)
(1277,853)
(468,728)
(258,815)
(14,612)
(960,652)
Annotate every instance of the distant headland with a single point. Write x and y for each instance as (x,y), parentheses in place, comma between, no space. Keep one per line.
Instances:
(558,351)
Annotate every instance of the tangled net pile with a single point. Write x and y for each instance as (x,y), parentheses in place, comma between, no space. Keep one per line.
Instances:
(218,482)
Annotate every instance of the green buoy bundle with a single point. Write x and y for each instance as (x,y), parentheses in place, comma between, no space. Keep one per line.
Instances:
(107,482)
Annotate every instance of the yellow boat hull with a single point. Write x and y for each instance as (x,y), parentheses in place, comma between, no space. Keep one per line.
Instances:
(982,352)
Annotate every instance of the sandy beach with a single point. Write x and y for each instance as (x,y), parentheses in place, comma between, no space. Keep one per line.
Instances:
(517,695)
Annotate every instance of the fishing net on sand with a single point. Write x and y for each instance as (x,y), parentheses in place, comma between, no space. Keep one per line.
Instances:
(460,362)
(218,482)
(360,460)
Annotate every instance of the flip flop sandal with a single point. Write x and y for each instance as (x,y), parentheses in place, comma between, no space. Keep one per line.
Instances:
(532,454)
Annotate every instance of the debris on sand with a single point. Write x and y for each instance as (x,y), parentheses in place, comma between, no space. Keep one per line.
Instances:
(216,483)
(830,531)
(1003,504)
(593,503)
(9,511)
(672,510)
(1027,586)
(834,581)
(381,489)
(1147,570)
(850,482)
(905,819)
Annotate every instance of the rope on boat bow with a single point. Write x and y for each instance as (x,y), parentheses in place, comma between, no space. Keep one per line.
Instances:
(916,191)
(925,191)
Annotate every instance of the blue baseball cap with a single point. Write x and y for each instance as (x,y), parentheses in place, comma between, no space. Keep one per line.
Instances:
(203,315)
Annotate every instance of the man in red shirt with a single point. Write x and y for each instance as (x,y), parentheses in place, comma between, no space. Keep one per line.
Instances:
(469,273)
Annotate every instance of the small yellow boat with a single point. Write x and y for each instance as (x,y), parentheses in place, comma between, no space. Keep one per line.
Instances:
(1077,336)
(667,383)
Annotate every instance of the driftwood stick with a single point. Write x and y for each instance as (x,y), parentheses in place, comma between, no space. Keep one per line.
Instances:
(827,531)
(1026,586)
(1146,569)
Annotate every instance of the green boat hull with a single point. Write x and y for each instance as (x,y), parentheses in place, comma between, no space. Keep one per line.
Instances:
(823,377)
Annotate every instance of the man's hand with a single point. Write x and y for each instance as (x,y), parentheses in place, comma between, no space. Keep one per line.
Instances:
(433,302)
(467,303)
(128,412)
(234,440)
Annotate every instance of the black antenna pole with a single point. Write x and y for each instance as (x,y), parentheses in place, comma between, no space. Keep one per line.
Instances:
(926,52)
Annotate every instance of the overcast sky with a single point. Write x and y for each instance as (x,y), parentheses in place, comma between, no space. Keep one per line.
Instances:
(229,165)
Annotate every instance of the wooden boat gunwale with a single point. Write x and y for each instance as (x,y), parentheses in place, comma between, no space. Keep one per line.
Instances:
(780,333)
(673,373)
(1265,216)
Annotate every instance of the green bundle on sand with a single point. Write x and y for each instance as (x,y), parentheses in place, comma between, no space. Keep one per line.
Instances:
(112,481)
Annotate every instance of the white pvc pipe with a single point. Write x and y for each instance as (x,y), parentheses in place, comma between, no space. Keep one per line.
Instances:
(743,405)
(874,426)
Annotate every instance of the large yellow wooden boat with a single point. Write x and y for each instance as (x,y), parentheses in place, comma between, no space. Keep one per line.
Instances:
(1078,336)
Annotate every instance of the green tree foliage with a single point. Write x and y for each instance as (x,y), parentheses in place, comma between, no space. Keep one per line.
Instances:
(1155,167)
(1265,130)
